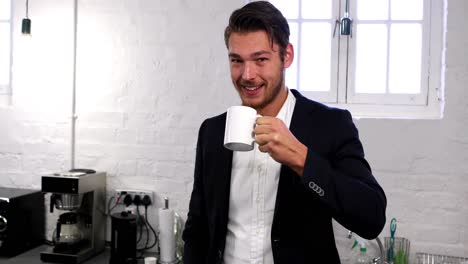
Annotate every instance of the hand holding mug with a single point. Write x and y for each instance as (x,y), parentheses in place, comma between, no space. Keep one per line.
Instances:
(275,138)
(244,127)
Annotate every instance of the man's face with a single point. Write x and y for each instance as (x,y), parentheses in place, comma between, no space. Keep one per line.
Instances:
(257,70)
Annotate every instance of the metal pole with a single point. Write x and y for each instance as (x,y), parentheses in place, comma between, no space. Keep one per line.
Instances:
(73,114)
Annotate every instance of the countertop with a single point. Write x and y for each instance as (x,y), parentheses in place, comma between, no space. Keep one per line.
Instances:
(33,257)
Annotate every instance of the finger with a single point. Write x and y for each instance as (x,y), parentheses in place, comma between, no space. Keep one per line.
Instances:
(264,120)
(264,148)
(262,129)
(261,139)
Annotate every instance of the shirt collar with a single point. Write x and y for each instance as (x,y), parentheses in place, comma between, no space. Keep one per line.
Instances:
(286,110)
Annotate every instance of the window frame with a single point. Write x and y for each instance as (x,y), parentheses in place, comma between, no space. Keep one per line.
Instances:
(5,89)
(433,77)
(428,104)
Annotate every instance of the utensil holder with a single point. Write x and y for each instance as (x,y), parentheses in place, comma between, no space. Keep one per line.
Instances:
(401,250)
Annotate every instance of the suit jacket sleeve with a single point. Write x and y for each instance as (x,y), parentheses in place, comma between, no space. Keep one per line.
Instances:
(350,191)
(195,234)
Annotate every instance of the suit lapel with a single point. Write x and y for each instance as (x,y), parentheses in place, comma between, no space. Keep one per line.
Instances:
(299,126)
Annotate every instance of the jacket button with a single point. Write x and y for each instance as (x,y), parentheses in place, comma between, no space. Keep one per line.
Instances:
(312,185)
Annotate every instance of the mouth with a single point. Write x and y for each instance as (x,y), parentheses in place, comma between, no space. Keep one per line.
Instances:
(252,90)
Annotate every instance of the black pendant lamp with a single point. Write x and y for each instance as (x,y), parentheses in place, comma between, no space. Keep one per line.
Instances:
(26,24)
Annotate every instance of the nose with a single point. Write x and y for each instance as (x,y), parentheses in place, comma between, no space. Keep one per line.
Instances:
(249,72)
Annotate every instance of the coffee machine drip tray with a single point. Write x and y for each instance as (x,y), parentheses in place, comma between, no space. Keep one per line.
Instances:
(64,248)
(72,255)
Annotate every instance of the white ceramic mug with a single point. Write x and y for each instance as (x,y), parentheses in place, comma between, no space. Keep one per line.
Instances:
(240,123)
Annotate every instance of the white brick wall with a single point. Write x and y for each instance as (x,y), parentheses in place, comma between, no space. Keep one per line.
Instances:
(148,73)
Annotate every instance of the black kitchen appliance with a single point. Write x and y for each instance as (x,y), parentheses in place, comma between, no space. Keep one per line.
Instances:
(22,220)
(123,238)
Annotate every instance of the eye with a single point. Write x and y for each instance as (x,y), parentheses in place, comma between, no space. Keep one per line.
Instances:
(262,59)
(234,60)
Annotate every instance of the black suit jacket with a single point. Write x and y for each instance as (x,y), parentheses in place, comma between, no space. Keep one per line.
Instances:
(337,183)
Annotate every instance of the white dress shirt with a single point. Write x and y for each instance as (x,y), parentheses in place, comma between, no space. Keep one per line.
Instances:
(254,184)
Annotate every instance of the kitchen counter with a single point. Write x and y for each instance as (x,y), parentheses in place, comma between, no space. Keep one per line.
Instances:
(33,257)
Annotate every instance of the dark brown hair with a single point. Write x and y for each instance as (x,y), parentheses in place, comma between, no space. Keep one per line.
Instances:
(260,16)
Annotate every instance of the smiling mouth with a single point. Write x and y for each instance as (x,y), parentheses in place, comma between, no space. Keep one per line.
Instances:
(252,88)
(252,91)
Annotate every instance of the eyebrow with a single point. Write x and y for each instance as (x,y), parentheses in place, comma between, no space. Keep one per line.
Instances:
(253,55)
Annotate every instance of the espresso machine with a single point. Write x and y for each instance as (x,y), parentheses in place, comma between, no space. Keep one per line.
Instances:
(79,196)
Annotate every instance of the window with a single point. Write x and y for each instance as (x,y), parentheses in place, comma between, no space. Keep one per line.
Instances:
(5,46)
(389,66)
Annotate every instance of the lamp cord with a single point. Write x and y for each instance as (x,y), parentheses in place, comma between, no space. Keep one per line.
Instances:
(27,8)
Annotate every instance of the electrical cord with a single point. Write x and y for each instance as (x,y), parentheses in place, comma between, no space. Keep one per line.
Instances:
(109,211)
(152,229)
(140,233)
(146,201)
(147,230)
(145,222)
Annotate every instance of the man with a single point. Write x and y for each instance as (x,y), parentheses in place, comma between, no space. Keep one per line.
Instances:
(275,204)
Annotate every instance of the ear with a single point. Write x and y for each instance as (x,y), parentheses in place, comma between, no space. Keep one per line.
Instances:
(288,55)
